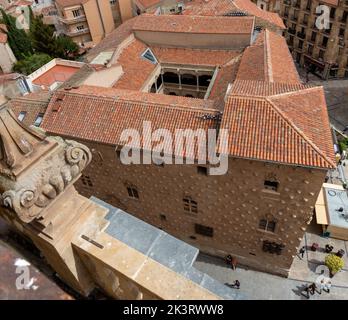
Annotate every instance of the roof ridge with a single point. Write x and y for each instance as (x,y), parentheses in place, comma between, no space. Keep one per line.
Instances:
(299,131)
(293,92)
(132,100)
(268,60)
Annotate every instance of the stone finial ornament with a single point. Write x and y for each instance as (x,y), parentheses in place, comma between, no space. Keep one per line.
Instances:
(35,169)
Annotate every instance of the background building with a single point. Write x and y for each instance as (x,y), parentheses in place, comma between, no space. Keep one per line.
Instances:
(323,52)
(87,22)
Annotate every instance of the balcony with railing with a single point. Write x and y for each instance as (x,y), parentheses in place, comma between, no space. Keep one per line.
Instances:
(76,32)
(72,20)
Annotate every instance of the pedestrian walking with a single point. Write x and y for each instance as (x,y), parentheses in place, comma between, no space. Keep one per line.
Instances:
(302,252)
(307,290)
(236,284)
(312,288)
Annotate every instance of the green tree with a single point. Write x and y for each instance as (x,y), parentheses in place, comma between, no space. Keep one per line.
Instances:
(334,263)
(31,63)
(42,36)
(65,48)
(18,40)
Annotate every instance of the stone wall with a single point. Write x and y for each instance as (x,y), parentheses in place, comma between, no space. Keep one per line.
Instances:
(232,204)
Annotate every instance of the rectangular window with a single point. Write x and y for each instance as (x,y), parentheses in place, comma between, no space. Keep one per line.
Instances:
(86,181)
(202,170)
(112,2)
(80,27)
(22,115)
(133,192)
(332,13)
(76,13)
(313,36)
(325,41)
(267,225)
(38,120)
(321,54)
(190,206)
(204,230)
(271,185)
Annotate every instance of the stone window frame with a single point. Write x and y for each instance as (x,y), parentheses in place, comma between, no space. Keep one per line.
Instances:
(203,230)
(132,191)
(86,181)
(268,224)
(190,205)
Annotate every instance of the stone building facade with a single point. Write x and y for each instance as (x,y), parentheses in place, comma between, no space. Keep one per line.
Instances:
(231,209)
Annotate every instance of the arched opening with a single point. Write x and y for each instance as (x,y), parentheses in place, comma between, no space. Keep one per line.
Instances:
(189,79)
(172,94)
(171,77)
(204,81)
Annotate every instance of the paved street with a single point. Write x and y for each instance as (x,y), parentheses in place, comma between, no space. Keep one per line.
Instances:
(262,286)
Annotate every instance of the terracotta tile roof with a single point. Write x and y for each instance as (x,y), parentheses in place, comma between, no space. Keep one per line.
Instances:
(225,76)
(59,73)
(113,40)
(136,69)
(225,7)
(103,119)
(261,88)
(193,56)
(133,95)
(268,59)
(291,128)
(194,24)
(33,104)
(252,9)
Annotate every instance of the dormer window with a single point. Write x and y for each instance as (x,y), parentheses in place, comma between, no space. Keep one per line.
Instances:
(148,55)
(21,116)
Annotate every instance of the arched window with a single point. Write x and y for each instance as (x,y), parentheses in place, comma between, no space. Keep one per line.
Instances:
(267,225)
(204,81)
(190,206)
(171,77)
(189,79)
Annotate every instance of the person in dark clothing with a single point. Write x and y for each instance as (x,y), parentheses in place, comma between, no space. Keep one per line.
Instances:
(302,252)
(236,284)
(312,288)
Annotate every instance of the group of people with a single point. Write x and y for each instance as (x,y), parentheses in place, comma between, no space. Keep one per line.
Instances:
(313,288)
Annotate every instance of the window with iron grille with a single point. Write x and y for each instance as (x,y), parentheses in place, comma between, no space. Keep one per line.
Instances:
(86,181)
(271,185)
(190,206)
(133,192)
(204,230)
(267,225)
